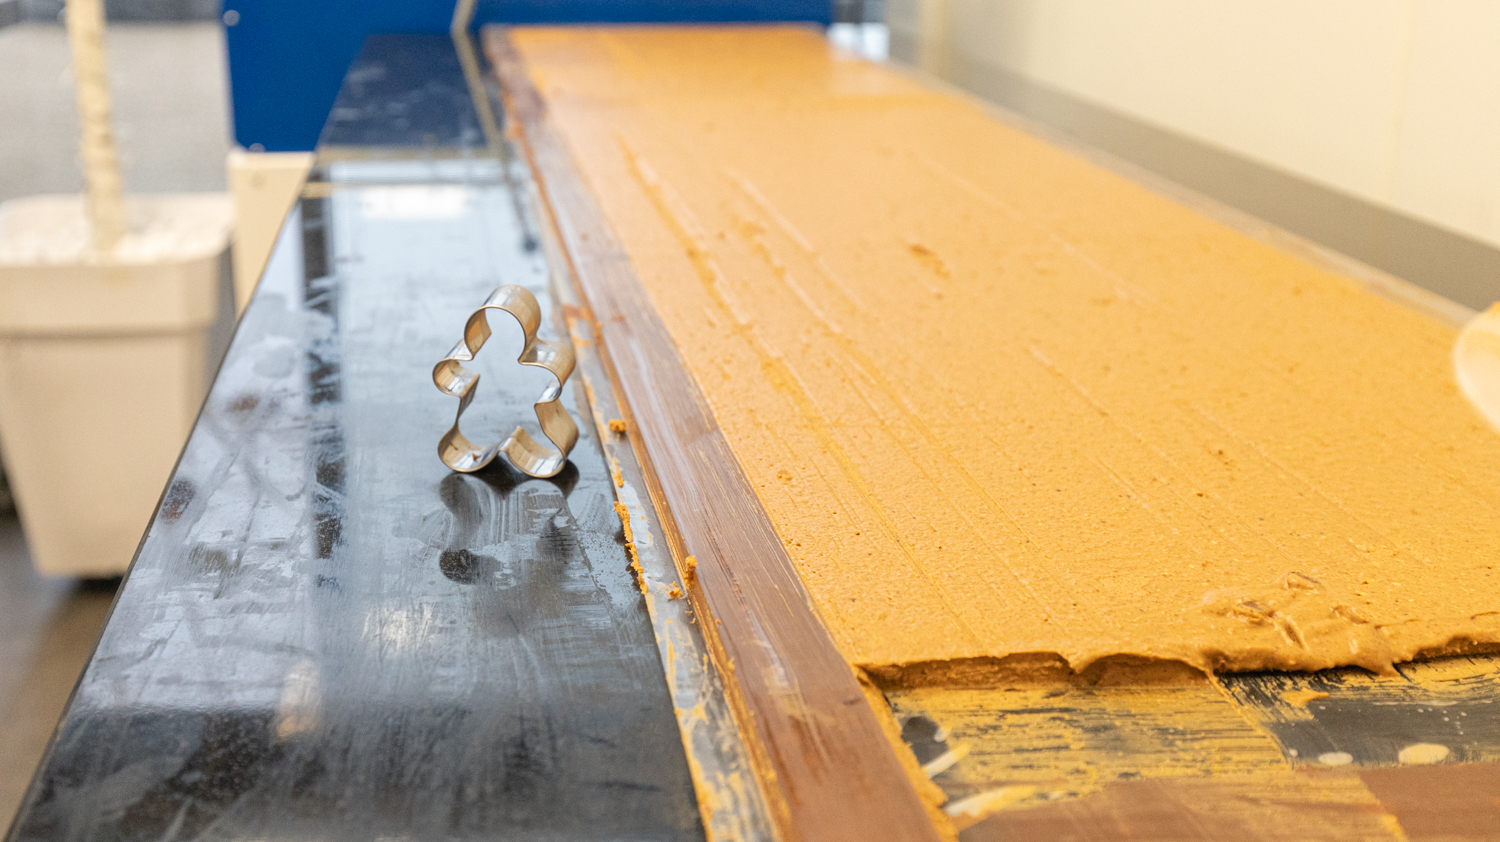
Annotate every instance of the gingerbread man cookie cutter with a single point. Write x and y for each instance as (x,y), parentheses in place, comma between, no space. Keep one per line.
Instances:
(529,456)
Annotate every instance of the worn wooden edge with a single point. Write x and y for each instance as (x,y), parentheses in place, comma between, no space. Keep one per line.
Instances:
(731,805)
(1401,804)
(821,755)
(1441,803)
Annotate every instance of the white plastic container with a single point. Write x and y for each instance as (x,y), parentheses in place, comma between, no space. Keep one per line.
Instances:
(102,367)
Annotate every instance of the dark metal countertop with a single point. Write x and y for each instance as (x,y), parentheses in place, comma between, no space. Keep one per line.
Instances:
(326,634)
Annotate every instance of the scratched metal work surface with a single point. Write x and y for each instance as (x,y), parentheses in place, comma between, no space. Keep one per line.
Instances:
(329,635)
(405,91)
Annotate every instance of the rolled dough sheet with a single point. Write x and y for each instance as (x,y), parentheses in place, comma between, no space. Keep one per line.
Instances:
(998,400)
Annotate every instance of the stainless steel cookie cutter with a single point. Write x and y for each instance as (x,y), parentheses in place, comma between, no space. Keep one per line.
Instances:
(524,452)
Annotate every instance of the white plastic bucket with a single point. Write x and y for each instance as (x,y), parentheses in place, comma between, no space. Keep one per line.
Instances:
(102,367)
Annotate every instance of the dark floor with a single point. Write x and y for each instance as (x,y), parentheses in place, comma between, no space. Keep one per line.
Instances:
(48,627)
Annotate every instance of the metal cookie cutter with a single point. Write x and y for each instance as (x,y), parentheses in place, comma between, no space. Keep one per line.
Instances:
(528,456)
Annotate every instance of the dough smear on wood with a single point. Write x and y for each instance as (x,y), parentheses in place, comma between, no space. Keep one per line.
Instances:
(998,400)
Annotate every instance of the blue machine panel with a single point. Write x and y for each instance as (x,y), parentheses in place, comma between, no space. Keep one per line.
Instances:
(287,58)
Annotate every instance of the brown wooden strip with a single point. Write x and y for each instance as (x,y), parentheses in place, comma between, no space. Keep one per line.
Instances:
(1285,807)
(827,768)
(1444,803)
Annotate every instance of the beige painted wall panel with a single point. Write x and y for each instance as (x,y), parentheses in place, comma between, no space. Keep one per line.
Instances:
(1382,99)
(1313,87)
(1447,161)
(265,187)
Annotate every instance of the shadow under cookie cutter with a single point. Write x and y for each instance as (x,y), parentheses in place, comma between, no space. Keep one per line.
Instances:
(524,452)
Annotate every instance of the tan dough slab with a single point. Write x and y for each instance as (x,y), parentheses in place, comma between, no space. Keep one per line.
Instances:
(998,400)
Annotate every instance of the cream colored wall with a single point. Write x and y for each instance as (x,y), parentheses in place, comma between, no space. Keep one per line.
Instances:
(1393,101)
(265,185)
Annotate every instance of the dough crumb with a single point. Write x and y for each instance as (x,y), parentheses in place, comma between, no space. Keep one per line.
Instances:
(624,515)
(635,561)
(1422,754)
(689,570)
(617,425)
(1300,698)
(674,592)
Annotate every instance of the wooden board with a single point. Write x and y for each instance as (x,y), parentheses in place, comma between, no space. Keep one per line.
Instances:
(1107,758)
(822,755)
